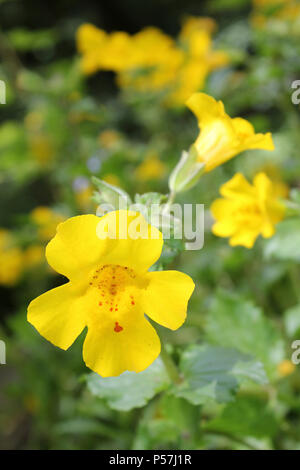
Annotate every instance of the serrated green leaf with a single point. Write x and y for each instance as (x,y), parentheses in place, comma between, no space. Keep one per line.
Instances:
(237,323)
(130,390)
(213,373)
(110,195)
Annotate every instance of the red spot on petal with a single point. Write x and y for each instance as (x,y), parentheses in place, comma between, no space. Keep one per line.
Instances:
(117,327)
(132,302)
(100,303)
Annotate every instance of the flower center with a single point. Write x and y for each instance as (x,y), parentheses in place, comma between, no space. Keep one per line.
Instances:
(118,290)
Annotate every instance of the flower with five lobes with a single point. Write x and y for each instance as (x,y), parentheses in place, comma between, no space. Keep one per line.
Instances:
(221,137)
(247,210)
(109,290)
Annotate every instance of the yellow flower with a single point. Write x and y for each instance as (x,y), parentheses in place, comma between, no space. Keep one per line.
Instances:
(11,259)
(247,210)
(221,137)
(286,368)
(46,220)
(90,40)
(151,168)
(112,179)
(34,255)
(109,139)
(109,292)
(41,148)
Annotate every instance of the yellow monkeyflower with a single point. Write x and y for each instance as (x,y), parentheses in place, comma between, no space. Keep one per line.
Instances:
(34,255)
(151,168)
(152,60)
(221,137)
(107,260)
(11,259)
(89,41)
(110,139)
(286,368)
(46,220)
(112,179)
(41,148)
(247,210)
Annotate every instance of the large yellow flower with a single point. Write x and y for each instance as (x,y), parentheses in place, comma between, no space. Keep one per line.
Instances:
(222,137)
(247,210)
(110,290)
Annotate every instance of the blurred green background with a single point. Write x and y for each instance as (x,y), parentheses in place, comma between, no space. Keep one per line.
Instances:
(57,129)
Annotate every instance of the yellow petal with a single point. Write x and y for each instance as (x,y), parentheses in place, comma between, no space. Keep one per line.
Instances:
(90,38)
(111,349)
(263,186)
(131,241)
(244,237)
(222,208)
(58,315)
(76,248)
(205,107)
(166,297)
(243,128)
(237,187)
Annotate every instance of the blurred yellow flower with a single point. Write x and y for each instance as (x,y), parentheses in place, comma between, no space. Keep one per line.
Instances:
(11,259)
(109,292)
(151,168)
(246,211)
(221,137)
(34,255)
(280,188)
(109,138)
(286,368)
(112,179)
(46,220)
(90,40)
(41,148)
(152,60)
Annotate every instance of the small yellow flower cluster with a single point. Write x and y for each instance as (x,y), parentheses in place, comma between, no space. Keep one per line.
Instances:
(276,13)
(151,60)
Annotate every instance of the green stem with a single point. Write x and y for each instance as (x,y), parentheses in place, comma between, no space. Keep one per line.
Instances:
(169,202)
(170,365)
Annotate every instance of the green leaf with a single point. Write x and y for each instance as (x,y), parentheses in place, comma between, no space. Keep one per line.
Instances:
(285,245)
(247,416)
(213,373)
(24,40)
(110,195)
(130,390)
(237,323)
